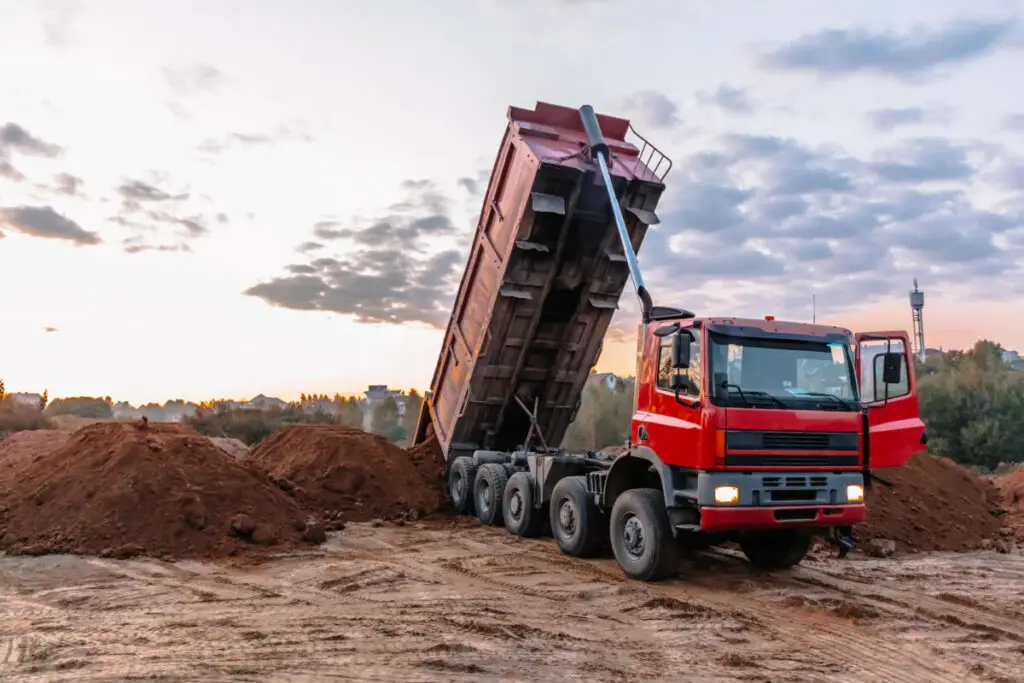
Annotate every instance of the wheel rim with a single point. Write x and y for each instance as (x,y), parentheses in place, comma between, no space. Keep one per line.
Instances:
(567,516)
(458,486)
(486,496)
(634,538)
(515,505)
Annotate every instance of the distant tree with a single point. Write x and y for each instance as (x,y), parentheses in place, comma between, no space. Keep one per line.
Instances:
(350,413)
(3,391)
(603,419)
(396,434)
(82,406)
(385,417)
(413,405)
(44,399)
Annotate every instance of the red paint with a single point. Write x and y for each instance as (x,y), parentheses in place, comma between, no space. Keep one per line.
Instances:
(726,519)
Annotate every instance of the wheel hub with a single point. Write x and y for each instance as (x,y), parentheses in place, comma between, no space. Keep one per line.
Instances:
(633,536)
(515,504)
(567,517)
(486,496)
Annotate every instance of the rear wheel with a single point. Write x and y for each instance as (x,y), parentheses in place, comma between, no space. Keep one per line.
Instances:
(521,517)
(576,521)
(641,535)
(460,484)
(775,549)
(489,491)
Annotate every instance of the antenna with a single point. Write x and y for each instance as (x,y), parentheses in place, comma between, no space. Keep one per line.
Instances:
(917,315)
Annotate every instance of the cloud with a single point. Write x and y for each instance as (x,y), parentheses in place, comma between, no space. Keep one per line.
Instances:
(160,218)
(43,221)
(382,269)
(917,53)
(1014,122)
(758,224)
(655,109)
(50,330)
(16,139)
(136,192)
(886,120)
(250,140)
(136,245)
(68,185)
(58,20)
(727,98)
(195,78)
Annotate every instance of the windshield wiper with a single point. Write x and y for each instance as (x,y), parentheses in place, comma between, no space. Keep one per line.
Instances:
(835,398)
(753,392)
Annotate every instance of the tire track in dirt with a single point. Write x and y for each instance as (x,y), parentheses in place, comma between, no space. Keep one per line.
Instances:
(859,654)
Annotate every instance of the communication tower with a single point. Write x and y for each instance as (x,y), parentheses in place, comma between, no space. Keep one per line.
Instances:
(917,311)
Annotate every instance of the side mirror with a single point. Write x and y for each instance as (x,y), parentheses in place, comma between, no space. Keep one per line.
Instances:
(892,367)
(681,350)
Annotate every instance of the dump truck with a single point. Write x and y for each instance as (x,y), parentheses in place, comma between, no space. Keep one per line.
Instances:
(757,431)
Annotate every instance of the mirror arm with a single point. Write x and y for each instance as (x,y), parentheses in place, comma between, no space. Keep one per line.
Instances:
(685,402)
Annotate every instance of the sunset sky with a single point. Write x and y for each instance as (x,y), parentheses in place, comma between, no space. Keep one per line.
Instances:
(218,199)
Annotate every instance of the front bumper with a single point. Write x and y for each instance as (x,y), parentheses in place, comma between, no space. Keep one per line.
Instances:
(723,518)
(776,499)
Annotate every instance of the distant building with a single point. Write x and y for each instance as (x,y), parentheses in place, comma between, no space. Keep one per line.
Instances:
(26,398)
(376,394)
(266,402)
(1010,357)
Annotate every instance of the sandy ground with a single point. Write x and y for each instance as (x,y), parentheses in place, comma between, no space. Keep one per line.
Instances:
(451,601)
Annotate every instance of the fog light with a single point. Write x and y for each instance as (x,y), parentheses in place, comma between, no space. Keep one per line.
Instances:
(854,493)
(726,494)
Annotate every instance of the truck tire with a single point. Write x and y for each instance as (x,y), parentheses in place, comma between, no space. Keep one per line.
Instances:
(461,475)
(489,493)
(576,521)
(641,535)
(521,517)
(775,549)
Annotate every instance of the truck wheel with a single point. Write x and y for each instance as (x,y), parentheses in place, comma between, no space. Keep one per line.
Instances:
(776,549)
(489,492)
(641,535)
(521,517)
(460,484)
(576,522)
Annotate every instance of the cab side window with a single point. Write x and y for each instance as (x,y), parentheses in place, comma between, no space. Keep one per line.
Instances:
(872,356)
(665,369)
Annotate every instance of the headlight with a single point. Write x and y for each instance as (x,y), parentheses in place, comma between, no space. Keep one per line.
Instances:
(854,493)
(726,494)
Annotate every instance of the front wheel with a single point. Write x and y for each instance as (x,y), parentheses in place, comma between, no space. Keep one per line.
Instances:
(641,535)
(775,549)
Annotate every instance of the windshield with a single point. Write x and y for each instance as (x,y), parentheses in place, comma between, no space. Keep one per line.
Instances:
(779,373)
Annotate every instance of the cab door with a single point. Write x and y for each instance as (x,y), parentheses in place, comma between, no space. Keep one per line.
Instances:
(894,427)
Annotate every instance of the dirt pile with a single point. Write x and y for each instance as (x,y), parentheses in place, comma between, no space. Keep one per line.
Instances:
(1011,486)
(232,447)
(340,469)
(129,489)
(931,503)
(22,449)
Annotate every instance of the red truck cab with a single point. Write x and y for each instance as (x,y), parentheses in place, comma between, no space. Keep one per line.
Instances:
(769,425)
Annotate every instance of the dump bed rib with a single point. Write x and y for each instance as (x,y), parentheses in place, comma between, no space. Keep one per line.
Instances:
(542,281)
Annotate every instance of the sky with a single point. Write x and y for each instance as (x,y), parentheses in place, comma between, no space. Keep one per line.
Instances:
(221,199)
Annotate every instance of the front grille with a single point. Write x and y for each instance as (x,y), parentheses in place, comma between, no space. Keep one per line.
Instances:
(809,460)
(793,441)
(757,440)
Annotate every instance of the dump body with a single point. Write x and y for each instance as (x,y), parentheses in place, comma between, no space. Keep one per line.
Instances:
(542,281)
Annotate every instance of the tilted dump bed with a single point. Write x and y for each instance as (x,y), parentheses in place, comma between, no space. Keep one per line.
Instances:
(542,281)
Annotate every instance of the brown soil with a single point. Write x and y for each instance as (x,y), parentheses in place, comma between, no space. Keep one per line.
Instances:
(931,503)
(128,489)
(22,449)
(1011,485)
(340,469)
(233,447)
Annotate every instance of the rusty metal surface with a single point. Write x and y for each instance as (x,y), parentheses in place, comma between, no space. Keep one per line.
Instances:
(542,281)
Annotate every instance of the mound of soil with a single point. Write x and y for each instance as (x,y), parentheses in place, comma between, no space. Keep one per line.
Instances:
(128,489)
(931,503)
(21,449)
(341,469)
(1011,485)
(233,447)
(429,460)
